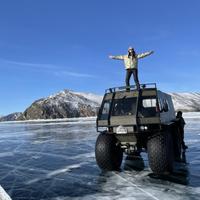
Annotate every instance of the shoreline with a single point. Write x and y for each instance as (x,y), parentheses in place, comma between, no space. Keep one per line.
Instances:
(185,115)
(51,120)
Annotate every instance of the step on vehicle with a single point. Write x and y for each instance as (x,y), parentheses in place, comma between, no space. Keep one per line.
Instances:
(135,121)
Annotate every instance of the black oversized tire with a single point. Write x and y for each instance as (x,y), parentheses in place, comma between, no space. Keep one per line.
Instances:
(108,154)
(160,152)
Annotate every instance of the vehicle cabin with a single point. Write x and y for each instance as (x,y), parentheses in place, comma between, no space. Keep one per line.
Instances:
(135,108)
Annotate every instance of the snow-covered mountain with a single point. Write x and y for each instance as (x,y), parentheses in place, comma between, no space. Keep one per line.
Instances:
(188,102)
(10,117)
(64,104)
(67,104)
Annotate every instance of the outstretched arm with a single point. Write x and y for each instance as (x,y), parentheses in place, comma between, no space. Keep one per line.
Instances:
(117,57)
(142,55)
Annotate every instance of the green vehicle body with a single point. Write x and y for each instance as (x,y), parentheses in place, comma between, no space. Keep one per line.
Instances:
(141,113)
(134,117)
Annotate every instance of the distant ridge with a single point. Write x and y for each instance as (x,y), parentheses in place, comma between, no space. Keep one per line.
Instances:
(68,104)
(187,102)
(11,117)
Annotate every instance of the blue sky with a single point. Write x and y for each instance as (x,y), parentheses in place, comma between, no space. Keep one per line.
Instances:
(50,45)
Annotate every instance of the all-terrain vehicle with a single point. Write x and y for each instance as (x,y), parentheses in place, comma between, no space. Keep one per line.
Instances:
(137,121)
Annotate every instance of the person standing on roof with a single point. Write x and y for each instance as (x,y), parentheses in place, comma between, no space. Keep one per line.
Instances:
(131,65)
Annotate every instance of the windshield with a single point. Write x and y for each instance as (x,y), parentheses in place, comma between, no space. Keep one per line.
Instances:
(125,106)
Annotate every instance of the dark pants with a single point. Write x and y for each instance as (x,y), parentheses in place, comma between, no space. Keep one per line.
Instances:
(135,76)
(182,136)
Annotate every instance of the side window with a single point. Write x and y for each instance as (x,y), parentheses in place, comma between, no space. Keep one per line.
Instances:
(105,110)
(148,107)
(163,105)
(149,103)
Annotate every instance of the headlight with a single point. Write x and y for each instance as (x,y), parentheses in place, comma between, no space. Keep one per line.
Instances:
(143,128)
(121,130)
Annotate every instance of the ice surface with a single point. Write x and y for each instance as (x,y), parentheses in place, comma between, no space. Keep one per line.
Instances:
(194,115)
(55,160)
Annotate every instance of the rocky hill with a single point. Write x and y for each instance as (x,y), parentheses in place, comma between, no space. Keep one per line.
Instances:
(65,104)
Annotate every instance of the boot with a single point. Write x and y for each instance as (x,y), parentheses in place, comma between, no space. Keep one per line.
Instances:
(127,88)
(138,86)
(184,146)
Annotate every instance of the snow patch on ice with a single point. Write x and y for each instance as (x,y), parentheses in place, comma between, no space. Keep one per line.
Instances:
(63,170)
(4,195)
(6,154)
(57,172)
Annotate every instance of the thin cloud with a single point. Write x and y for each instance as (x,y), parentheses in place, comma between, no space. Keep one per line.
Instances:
(74,74)
(53,69)
(27,64)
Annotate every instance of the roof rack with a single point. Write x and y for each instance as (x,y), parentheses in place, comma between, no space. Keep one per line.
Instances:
(132,87)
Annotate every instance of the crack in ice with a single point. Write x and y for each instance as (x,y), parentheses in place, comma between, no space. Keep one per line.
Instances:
(142,190)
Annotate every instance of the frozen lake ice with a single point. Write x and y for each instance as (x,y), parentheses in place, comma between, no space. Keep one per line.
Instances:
(55,160)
